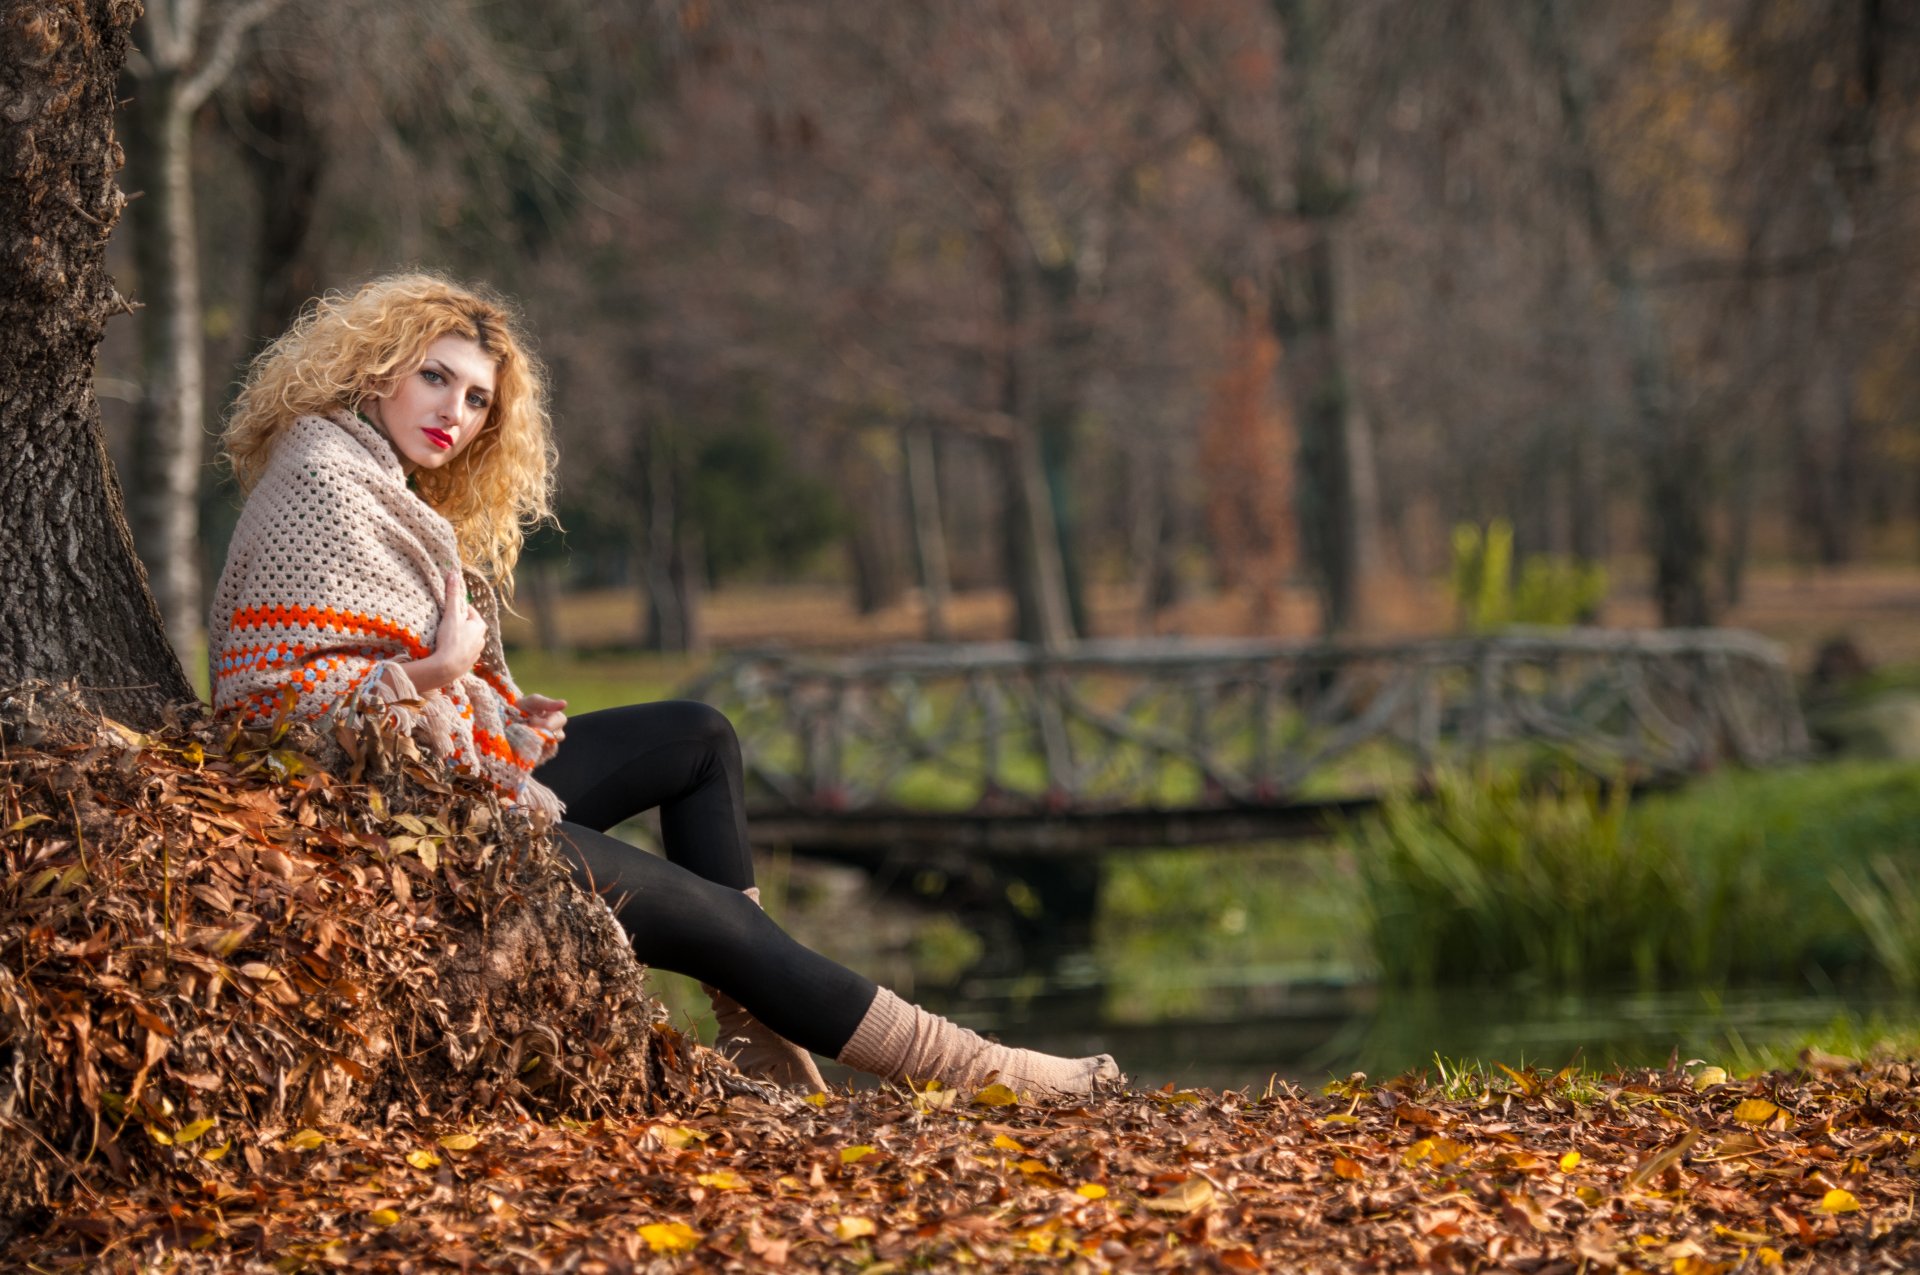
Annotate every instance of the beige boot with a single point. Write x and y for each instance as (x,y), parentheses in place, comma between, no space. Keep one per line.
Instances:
(902,1042)
(756,1049)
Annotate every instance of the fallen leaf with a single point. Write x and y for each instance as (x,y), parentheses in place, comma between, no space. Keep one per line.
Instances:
(1838,1201)
(722,1180)
(996,1095)
(459,1142)
(853,1228)
(670,1237)
(1755,1111)
(306,1140)
(422,1159)
(853,1155)
(1189,1196)
(1091,1190)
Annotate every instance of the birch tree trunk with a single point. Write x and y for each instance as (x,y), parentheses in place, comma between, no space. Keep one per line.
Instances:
(168,419)
(929,535)
(73,597)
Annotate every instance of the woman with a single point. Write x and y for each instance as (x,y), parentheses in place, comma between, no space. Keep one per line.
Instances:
(393,445)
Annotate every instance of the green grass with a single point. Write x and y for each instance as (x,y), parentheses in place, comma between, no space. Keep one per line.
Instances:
(1733,878)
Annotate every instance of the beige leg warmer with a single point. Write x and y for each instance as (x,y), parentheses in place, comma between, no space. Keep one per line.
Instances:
(755,1048)
(900,1041)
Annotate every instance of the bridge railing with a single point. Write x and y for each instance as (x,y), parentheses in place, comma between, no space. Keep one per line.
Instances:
(1167,724)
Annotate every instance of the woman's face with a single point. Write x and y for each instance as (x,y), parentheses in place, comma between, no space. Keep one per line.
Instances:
(434,411)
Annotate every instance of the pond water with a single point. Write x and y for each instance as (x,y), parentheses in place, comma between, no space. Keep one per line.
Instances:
(1247,969)
(1308,1033)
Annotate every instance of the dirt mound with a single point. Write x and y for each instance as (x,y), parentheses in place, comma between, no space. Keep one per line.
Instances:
(209,940)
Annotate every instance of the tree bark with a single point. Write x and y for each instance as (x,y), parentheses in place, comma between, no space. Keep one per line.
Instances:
(929,536)
(1037,576)
(74,601)
(1673,447)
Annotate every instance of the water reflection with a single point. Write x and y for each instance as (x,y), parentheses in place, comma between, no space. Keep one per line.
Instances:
(1308,1032)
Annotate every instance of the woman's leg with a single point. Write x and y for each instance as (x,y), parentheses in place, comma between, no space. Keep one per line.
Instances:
(679,755)
(681,922)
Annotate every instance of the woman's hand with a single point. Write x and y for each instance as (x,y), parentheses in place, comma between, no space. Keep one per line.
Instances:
(545,713)
(457,643)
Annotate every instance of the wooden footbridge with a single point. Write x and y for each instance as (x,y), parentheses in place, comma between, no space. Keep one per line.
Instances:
(1004,751)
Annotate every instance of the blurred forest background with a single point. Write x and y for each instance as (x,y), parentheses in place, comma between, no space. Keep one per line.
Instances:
(876,322)
(1085,317)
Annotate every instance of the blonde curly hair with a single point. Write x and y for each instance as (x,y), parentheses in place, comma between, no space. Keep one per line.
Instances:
(348,347)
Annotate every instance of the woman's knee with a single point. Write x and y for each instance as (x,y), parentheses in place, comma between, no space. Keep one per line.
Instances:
(707,725)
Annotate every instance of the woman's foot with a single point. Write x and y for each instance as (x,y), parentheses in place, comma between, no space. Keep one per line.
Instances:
(756,1049)
(900,1041)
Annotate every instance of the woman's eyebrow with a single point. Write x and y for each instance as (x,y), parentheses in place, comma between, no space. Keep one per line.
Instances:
(449,373)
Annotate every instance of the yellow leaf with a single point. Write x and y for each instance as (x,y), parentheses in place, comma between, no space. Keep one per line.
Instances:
(722,1180)
(459,1142)
(1739,1237)
(1838,1201)
(1348,1169)
(817,1099)
(1002,1142)
(306,1140)
(678,1137)
(1590,1196)
(1341,1118)
(1416,1153)
(996,1095)
(383,1217)
(189,1132)
(159,1135)
(1707,1077)
(194,754)
(1031,1166)
(1446,1151)
(1092,1190)
(1755,1111)
(1768,1257)
(853,1155)
(423,1160)
(214,1153)
(1569,1161)
(28,822)
(669,1237)
(787,1182)
(1687,1264)
(1189,1197)
(853,1228)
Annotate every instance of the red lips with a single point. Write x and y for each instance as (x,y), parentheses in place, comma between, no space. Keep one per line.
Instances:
(439,438)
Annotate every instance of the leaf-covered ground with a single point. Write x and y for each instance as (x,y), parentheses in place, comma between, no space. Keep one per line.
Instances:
(1651,1171)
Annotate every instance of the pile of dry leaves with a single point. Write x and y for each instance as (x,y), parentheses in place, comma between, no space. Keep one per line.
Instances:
(1652,1172)
(207,941)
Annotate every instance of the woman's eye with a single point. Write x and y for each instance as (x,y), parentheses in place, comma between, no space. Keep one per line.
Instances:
(475,401)
(433,377)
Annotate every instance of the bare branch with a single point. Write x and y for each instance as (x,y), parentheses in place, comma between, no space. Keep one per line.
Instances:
(226,51)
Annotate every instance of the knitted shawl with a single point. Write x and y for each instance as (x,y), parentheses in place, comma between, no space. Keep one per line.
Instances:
(334,581)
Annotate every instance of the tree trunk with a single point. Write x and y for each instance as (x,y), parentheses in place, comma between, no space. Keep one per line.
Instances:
(1042,615)
(73,597)
(1335,483)
(1672,444)
(168,421)
(929,536)
(669,585)
(287,162)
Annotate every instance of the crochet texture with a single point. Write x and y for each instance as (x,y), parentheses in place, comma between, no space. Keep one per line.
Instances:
(334,581)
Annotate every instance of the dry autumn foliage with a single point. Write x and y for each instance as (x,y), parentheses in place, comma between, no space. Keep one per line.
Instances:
(166,991)
(208,942)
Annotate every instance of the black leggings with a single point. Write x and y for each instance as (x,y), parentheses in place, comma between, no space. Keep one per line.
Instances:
(687,913)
